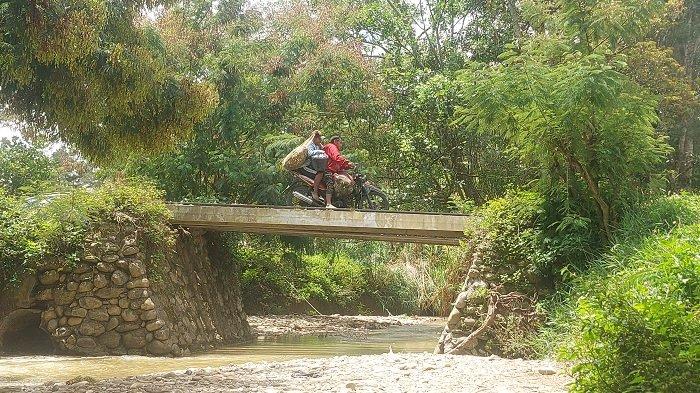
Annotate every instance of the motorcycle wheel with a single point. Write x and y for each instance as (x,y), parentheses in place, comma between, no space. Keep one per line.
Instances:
(375,199)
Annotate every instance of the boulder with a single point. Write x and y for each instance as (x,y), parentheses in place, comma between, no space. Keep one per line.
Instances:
(129,250)
(155,325)
(86,342)
(109,292)
(148,315)
(100,281)
(136,269)
(85,286)
(90,302)
(110,339)
(138,283)
(148,305)
(119,278)
(158,347)
(129,315)
(91,328)
(63,297)
(134,339)
(105,267)
(99,314)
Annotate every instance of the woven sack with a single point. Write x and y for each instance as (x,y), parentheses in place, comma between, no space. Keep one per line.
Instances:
(343,185)
(295,159)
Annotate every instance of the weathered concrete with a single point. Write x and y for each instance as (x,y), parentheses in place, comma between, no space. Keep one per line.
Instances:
(345,224)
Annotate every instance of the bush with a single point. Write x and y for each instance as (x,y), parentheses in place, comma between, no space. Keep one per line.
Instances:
(630,322)
(279,280)
(639,328)
(33,230)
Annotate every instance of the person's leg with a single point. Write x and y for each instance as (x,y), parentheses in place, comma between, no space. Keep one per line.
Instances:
(329,190)
(317,183)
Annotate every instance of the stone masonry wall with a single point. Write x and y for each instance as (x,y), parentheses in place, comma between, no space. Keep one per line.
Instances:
(112,302)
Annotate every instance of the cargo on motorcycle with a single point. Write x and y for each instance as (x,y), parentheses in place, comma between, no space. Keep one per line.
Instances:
(321,177)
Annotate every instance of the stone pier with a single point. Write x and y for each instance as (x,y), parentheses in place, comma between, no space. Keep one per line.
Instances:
(120,298)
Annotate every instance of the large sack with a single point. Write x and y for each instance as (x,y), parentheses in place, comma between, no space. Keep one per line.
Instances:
(343,185)
(295,159)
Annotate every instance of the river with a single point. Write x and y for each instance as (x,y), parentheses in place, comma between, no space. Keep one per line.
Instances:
(28,370)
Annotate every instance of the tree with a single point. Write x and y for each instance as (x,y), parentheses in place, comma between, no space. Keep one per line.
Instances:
(564,102)
(95,74)
(24,169)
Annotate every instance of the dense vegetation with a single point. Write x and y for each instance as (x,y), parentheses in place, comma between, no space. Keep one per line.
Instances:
(562,125)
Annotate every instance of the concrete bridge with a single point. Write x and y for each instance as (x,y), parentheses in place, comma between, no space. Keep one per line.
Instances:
(406,227)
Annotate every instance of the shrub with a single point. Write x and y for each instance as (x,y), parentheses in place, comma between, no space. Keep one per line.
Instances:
(35,229)
(638,329)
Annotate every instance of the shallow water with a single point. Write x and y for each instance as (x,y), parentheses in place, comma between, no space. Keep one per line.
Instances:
(39,369)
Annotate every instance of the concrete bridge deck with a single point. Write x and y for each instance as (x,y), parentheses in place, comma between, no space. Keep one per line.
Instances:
(406,227)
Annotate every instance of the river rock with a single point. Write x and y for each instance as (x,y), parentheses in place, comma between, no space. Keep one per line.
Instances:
(129,315)
(49,277)
(105,267)
(547,370)
(129,250)
(114,310)
(86,342)
(148,304)
(136,269)
(122,264)
(77,312)
(158,347)
(162,334)
(72,286)
(139,283)
(135,339)
(155,325)
(112,323)
(90,302)
(110,339)
(63,297)
(127,327)
(100,281)
(99,314)
(137,293)
(148,315)
(51,325)
(85,286)
(119,278)
(110,258)
(109,292)
(91,328)
(124,303)
(74,321)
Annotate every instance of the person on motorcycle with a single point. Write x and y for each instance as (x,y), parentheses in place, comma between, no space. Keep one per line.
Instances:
(317,161)
(336,170)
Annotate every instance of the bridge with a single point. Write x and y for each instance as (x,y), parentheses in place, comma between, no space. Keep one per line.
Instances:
(405,227)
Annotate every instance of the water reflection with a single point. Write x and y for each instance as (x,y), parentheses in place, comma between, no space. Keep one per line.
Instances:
(39,369)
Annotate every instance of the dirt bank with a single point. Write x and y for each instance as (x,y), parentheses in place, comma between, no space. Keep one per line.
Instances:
(371,373)
(276,326)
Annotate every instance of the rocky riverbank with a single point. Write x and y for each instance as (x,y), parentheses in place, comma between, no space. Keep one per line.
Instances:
(271,327)
(418,372)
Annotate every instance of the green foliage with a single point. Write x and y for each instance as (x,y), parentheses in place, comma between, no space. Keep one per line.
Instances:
(639,327)
(24,169)
(630,321)
(50,228)
(279,281)
(97,75)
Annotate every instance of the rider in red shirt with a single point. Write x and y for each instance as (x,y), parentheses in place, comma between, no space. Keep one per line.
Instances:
(336,162)
(337,165)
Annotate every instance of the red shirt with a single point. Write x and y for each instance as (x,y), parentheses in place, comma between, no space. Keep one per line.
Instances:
(336,162)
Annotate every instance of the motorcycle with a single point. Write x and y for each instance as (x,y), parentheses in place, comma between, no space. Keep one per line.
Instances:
(364,194)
